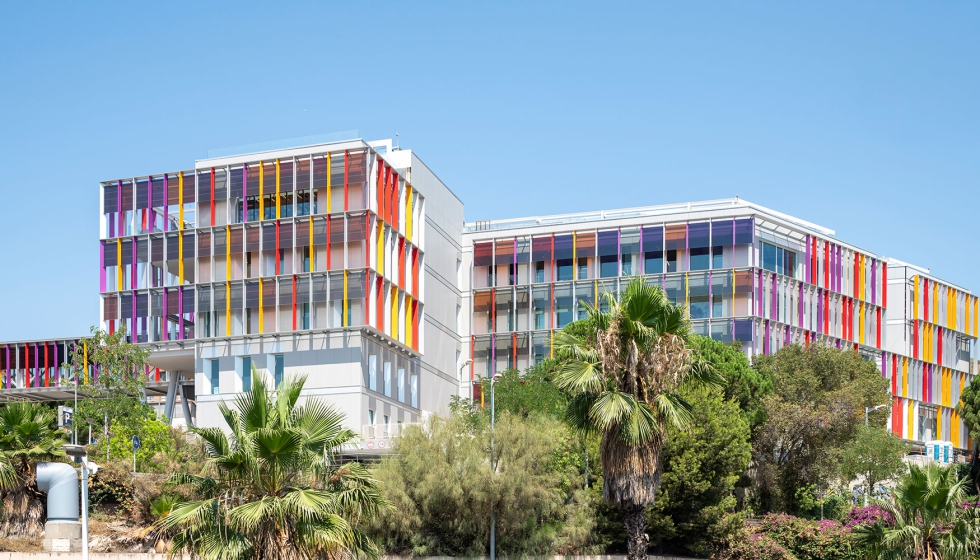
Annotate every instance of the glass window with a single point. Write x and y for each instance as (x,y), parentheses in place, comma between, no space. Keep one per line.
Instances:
(769,257)
(564,269)
(401,384)
(671,260)
(699,258)
(373,373)
(415,390)
(215,377)
(717,257)
(563,257)
(583,268)
(653,262)
(280,369)
(539,272)
(608,266)
(563,306)
(246,373)
(387,378)
(371,417)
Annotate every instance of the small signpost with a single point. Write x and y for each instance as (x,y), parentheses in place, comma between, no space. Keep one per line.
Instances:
(136,447)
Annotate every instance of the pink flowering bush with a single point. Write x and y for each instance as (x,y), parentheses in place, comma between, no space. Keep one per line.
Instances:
(749,545)
(783,537)
(868,516)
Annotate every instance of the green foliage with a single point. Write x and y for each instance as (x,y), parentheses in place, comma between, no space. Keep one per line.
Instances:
(28,435)
(156,438)
(815,409)
(442,487)
(874,456)
(742,383)
(749,545)
(928,518)
(117,393)
(695,501)
(531,392)
(969,406)
(126,496)
(273,489)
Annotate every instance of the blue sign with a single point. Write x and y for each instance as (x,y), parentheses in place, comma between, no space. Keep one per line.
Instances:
(136,443)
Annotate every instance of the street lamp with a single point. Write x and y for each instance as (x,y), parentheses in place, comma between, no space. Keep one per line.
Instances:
(460,378)
(872,409)
(493,468)
(79,455)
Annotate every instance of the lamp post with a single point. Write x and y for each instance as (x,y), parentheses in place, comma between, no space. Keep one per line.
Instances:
(872,409)
(493,468)
(460,378)
(867,410)
(79,455)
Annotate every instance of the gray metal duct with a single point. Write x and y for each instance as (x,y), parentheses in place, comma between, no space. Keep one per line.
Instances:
(60,481)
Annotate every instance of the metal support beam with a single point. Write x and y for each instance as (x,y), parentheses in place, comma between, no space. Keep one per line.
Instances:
(168,404)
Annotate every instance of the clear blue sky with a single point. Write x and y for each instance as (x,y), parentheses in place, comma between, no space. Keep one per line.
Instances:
(863,117)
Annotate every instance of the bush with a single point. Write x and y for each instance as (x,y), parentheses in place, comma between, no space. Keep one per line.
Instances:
(868,516)
(121,494)
(747,545)
(810,540)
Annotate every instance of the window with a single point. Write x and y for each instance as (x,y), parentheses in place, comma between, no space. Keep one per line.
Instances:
(305,315)
(387,380)
(370,417)
(539,272)
(564,269)
(415,390)
(214,376)
(401,384)
(280,369)
(608,266)
(778,260)
(246,373)
(653,262)
(672,260)
(373,373)
(699,258)
(717,257)
(387,420)
(583,268)
(627,265)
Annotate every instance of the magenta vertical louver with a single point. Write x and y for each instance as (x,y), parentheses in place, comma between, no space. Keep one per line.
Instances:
(132,273)
(166,200)
(493,352)
(180,313)
(102,266)
(245,190)
(166,321)
(884,364)
(758,294)
(765,341)
(119,215)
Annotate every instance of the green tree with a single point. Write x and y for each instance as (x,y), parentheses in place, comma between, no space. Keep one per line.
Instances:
(623,373)
(155,436)
(928,520)
(742,383)
(442,488)
(273,489)
(874,456)
(695,503)
(817,404)
(530,392)
(28,435)
(112,375)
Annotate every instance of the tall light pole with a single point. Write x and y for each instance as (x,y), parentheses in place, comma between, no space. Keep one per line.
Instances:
(872,409)
(460,379)
(868,409)
(493,469)
(79,455)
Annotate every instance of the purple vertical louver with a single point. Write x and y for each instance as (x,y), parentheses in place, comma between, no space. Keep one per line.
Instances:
(166,200)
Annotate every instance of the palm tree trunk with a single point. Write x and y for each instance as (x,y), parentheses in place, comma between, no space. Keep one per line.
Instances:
(637,540)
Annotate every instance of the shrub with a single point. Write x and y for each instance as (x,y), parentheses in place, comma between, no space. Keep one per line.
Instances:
(747,545)
(810,540)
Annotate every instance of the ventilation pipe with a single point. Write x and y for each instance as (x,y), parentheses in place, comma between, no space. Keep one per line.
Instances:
(60,481)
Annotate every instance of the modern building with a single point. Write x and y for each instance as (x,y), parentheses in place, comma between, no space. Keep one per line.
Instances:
(744,273)
(336,260)
(349,262)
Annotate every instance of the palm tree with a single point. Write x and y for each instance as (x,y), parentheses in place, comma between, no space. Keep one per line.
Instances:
(622,367)
(929,520)
(27,436)
(272,489)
